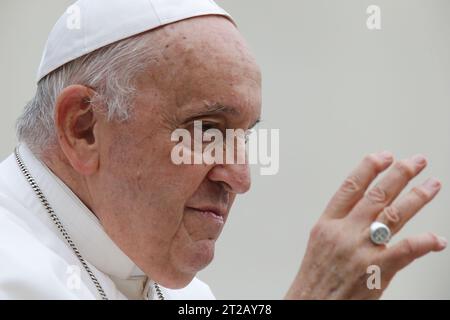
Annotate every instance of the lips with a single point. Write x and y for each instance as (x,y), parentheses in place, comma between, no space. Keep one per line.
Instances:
(211,213)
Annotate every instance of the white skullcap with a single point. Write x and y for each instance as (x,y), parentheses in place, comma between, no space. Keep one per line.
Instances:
(88,25)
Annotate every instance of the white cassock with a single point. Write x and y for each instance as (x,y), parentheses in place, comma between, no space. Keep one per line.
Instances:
(37,263)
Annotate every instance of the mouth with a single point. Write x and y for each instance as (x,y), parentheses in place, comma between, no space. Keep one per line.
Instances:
(215,214)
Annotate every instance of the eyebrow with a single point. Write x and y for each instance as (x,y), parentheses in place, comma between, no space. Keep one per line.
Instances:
(217,108)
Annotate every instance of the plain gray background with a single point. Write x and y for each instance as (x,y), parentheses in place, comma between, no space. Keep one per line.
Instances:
(336,91)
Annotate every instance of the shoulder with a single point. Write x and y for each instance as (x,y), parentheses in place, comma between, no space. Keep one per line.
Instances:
(29,269)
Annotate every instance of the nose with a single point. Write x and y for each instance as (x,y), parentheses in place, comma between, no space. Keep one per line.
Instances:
(235,176)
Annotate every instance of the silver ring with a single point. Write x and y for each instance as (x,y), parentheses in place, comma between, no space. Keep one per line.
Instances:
(379,233)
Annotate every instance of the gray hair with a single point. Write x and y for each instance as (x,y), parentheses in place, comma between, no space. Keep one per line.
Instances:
(111,71)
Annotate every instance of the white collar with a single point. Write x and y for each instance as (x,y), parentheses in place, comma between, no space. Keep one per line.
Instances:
(82,225)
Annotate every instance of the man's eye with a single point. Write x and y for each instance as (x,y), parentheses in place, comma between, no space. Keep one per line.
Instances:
(207,126)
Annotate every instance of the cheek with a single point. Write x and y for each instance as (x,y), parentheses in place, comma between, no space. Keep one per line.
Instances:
(150,188)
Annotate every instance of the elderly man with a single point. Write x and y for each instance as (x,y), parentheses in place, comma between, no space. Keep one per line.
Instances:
(92,205)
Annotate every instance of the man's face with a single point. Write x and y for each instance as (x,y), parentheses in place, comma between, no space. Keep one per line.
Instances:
(167,217)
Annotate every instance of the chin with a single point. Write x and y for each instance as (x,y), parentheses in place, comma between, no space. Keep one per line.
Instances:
(200,256)
(187,263)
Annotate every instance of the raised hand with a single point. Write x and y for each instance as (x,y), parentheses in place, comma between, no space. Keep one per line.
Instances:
(340,249)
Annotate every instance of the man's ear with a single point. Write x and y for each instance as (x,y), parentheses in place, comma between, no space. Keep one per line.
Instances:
(76,122)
